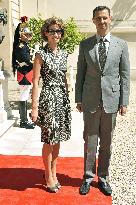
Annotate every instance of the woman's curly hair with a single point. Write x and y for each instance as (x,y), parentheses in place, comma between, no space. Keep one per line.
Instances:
(50,21)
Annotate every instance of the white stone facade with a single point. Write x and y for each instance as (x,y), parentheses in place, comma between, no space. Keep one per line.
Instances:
(123,12)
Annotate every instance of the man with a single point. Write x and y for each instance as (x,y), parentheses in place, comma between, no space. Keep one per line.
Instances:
(21,62)
(102,89)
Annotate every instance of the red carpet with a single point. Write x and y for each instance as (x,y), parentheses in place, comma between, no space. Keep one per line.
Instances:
(21,183)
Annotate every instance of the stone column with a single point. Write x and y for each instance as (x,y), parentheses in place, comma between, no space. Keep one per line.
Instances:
(3,114)
(5,53)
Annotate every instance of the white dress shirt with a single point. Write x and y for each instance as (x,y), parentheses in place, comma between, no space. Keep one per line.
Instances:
(106,39)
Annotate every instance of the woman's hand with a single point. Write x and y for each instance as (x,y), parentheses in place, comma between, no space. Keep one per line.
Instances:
(79,107)
(34,114)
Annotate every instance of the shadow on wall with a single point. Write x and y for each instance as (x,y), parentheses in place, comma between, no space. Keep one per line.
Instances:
(123,10)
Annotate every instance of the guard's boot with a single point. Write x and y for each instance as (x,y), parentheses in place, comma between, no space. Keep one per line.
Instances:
(23,116)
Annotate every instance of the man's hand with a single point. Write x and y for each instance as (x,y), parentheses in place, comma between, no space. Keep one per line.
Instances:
(122,110)
(79,107)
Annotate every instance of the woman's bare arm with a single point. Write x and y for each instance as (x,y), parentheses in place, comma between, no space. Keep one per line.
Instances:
(36,76)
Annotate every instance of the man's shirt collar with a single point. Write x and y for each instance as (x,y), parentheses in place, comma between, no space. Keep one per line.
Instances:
(107,37)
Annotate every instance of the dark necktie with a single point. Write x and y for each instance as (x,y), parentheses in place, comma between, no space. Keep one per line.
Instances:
(102,53)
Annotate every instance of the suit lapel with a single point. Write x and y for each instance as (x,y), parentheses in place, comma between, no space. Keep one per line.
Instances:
(93,52)
(97,58)
(112,46)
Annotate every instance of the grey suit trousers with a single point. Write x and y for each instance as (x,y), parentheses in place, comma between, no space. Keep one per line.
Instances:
(97,125)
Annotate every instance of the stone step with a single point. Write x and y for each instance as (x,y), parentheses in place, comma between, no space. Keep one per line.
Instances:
(5,126)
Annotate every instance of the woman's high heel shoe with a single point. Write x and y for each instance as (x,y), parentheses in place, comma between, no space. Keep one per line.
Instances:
(58,185)
(53,189)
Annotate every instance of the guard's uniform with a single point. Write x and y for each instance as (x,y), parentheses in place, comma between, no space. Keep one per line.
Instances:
(21,62)
(24,70)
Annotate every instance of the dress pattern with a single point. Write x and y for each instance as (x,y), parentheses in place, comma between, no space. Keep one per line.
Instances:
(54,109)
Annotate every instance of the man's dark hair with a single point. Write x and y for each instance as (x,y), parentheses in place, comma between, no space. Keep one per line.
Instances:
(100,8)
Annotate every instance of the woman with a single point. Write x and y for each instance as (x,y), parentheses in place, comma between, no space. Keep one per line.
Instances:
(53,114)
(21,62)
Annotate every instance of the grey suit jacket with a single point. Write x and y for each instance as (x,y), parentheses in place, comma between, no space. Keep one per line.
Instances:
(112,86)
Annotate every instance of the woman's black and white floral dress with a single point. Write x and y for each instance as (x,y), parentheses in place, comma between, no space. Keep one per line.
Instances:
(54,105)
